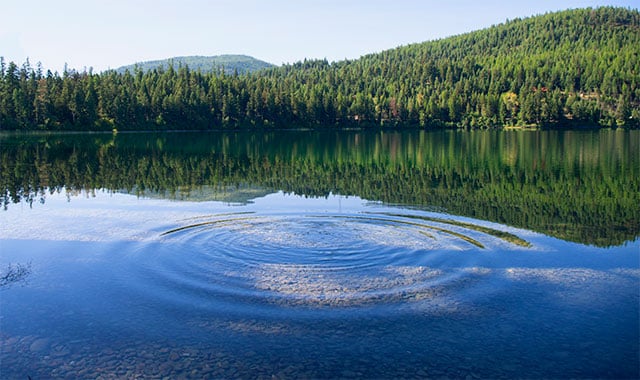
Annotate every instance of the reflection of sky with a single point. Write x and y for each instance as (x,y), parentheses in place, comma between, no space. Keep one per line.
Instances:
(107,216)
(110,264)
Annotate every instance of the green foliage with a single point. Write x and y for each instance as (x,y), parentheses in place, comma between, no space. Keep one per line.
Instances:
(577,67)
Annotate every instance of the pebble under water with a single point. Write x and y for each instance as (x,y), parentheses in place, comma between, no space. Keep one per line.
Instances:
(113,286)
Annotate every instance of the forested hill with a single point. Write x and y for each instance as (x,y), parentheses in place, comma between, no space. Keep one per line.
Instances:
(227,62)
(571,68)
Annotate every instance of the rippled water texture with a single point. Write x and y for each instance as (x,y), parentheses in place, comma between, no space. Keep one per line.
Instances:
(111,285)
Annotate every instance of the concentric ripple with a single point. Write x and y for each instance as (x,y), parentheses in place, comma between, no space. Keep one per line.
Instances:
(323,259)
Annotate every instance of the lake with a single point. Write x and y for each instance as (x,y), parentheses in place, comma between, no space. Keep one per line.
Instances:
(321,254)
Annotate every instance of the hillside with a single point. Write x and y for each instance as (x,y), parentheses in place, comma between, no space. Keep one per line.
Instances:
(573,68)
(229,63)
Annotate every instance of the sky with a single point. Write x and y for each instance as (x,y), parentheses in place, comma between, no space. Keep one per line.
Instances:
(107,34)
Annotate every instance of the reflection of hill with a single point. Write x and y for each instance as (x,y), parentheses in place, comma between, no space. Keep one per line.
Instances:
(226,194)
(579,186)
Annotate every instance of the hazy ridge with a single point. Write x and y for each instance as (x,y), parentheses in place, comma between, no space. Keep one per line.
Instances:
(230,63)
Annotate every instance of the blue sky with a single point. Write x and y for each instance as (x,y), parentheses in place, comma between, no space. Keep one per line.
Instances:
(111,33)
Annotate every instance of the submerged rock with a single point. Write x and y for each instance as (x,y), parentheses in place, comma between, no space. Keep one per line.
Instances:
(39,345)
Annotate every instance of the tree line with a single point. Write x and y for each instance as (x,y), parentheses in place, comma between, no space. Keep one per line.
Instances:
(576,67)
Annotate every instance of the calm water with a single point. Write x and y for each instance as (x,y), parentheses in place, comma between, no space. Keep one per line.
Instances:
(321,255)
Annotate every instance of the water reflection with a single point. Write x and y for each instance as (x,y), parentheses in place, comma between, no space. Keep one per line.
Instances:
(578,186)
(14,274)
(294,287)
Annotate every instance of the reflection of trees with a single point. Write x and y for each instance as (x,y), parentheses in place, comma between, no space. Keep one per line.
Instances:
(580,186)
(14,274)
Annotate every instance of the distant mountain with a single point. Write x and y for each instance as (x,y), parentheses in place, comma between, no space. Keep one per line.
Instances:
(230,63)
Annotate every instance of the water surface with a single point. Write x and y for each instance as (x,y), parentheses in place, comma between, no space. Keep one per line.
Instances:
(321,255)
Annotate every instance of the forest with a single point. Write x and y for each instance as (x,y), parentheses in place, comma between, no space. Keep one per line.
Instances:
(566,69)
